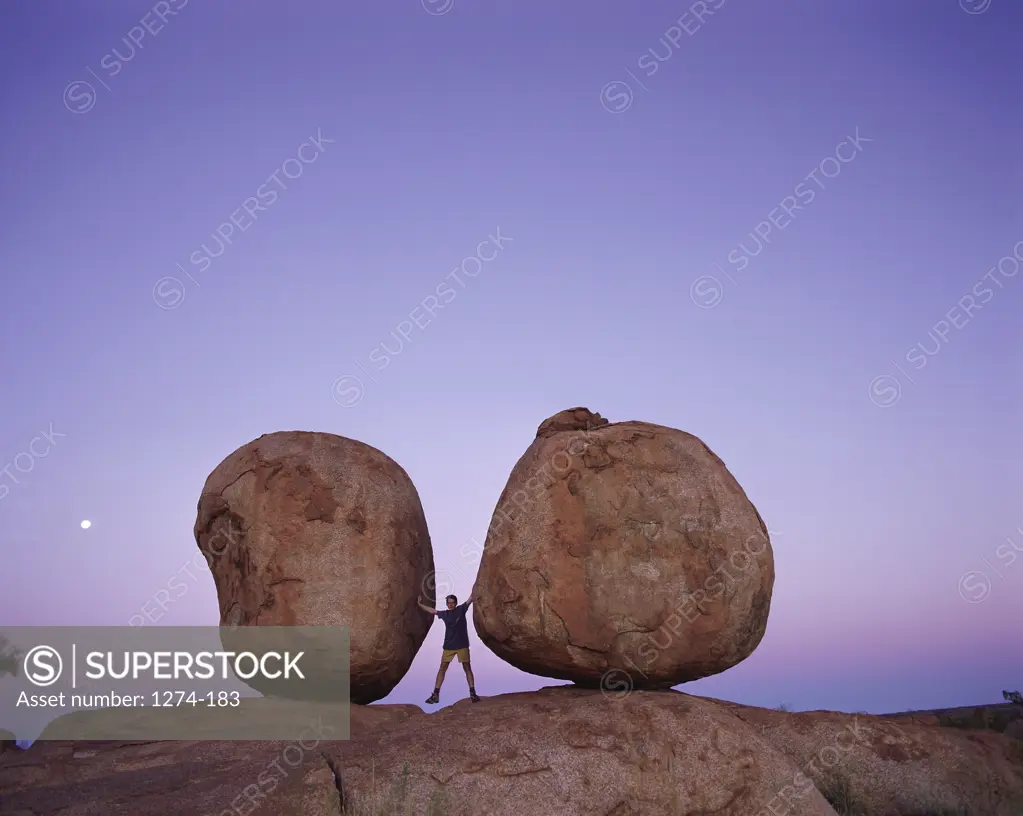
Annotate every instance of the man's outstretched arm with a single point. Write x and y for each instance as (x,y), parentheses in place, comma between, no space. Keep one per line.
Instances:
(424,607)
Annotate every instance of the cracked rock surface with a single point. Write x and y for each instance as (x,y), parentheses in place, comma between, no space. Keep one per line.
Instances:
(159,778)
(313,529)
(623,552)
(567,752)
(560,751)
(897,764)
(556,752)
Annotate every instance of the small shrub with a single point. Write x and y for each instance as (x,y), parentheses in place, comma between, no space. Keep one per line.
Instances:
(838,793)
(1013,697)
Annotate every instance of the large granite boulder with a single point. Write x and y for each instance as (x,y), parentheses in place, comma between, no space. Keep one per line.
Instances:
(313,529)
(622,553)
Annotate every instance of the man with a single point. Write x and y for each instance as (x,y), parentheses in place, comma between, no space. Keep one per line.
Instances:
(456,642)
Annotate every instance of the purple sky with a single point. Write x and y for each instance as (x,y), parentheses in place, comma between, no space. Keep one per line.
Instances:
(436,130)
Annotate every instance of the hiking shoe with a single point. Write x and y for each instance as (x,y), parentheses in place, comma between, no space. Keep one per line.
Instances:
(433,699)
(474,697)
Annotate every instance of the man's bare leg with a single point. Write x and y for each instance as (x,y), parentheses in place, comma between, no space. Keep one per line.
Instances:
(472,683)
(435,697)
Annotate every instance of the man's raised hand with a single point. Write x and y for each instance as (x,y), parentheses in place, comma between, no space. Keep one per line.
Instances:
(426,608)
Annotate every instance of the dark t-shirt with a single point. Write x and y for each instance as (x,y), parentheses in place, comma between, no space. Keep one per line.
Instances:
(456,635)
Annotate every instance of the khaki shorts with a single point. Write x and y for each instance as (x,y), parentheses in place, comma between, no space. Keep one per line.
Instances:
(449,655)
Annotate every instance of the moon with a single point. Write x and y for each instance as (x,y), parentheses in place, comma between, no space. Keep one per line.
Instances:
(86,524)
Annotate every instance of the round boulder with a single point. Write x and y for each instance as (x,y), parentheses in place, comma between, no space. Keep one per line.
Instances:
(622,547)
(316,530)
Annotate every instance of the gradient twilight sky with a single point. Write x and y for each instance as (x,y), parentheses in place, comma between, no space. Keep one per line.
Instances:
(446,123)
